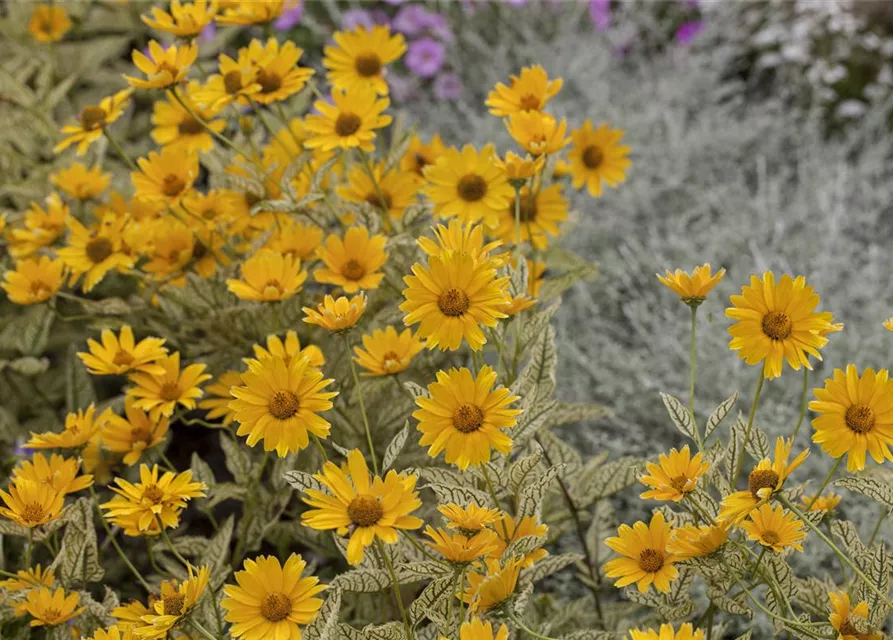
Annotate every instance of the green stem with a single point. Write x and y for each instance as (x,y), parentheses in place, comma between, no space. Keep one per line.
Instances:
(218,136)
(802,403)
(691,383)
(382,203)
(422,548)
(29,548)
(170,545)
(202,630)
(753,412)
(320,448)
(166,462)
(356,381)
(387,561)
(117,546)
(495,498)
(518,227)
(514,618)
(877,527)
(459,595)
(824,483)
(117,147)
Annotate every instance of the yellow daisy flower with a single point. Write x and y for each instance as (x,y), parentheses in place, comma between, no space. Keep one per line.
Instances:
(363,507)
(42,227)
(644,557)
(208,252)
(666,632)
(562,169)
(348,123)
(218,207)
(540,215)
(774,528)
(353,263)
(92,120)
(518,169)
(164,68)
(337,316)
(134,435)
(844,618)
(175,603)
(271,600)
(420,154)
(48,23)
(535,271)
(121,354)
(165,176)
(855,416)
(826,502)
(391,192)
(185,21)
(296,239)
(451,298)
(476,629)
(460,549)
(218,397)
(234,82)
(51,608)
(514,529)
(767,478)
(470,519)
(290,349)
(176,128)
(387,352)
(31,504)
(28,579)
(888,324)
(492,585)
(80,182)
(696,541)
(359,57)
(775,323)
(597,157)
(468,184)
(268,276)
(245,12)
(112,633)
(160,394)
(79,429)
(674,475)
(530,90)
(130,616)
(33,280)
(278,403)
(538,133)
(58,473)
(170,247)
(692,289)
(466,417)
(138,508)
(278,73)
(94,252)
(461,238)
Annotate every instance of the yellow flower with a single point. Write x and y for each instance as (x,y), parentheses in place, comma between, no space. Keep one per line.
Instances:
(112,633)
(694,542)
(490,587)
(596,157)
(130,616)
(93,253)
(165,176)
(51,608)
(513,530)
(692,289)
(826,502)
(535,271)
(644,557)
(80,182)
(290,349)
(133,436)
(235,82)
(160,394)
(184,21)
(244,12)
(666,632)
(538,133)
(521,169)
(352,263)
(348,123)
(777,322)
(530,90)
(674,476)
(92,120)
(387,352)
(58,473)
(278,73)
(470,519)
(28,579)
(539,216)
(767,478)
(296,239)
(419,155)
(391,192)
(461,238)
(459,548)
(138,508)
(175,603)
(219,397)
(466,417)
(359,57)
(773,528)
(278,403)
(468,184)
(48,23)
(80,427)
(31,504)
(476,629)
(121,354)
(270,600)
(268,276)
(164,68)
(851,623)
(338,315)
(170,247)
(42,227)
(855,416)
(362,507)
(33,280)
(177,129)
(218,207)
(888,324)
(451,298)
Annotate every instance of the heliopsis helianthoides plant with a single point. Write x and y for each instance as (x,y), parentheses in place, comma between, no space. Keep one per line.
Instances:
(278,365)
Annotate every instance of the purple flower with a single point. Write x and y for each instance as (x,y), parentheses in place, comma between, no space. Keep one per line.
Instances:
(600,14)
(688,31)
(354,18)
(290,18)
(515,3)
(208,33)
(448,86)
(425,57)
(394,1)
(412,19)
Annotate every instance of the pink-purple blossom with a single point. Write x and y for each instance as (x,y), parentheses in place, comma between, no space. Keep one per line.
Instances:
(425,57)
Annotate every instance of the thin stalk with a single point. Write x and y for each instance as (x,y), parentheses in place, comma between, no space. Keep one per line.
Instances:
(517,227)
(824,483)
(117,147)
(320,448)
(514,618)
(382,203)
(691,383)
(877,527)
(218,136)
(422,548)
(802,403)
(753,412)
(29,548)
(117,546)
(396,585)
(495,499)
(356,381)
(461,601)
(166,462)
(204,632)
(170,545)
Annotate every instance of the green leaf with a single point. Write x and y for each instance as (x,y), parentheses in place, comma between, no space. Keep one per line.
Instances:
(522,467)
(409,572)
(78,559)
(734,450)
(571,412)
(878,571)
(29,332)
(600,479)
(395,447)
(387,631)
(557,451)
(719,414)
(79,393)
(537,323)
(238,460)
(325,626)
(549,565)
(531,499)
(680,415)
(537,381)
(201,471)
(846,532)
(876,489)
(223,491)
(433,601)
(416,391)
(758,444)
(362,580)
(302,481)
(217,553)
(589,634)
(459,495)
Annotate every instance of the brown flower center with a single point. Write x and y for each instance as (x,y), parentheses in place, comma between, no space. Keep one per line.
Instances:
(283,405)
(528,210)
(275,607)
(353,270)
(453,303)
(199,250)
(153,494)
(529,102)
(169,391)
(189,126)
(593,157)
(420,163)
(365,511)
(138,434)
(390,360)
(33,513)
(368,65)
(172,185)
(167,66)
(384,202)
(122,358)
(173,604)
(769,537)
(98,249)
(232,82)
(651,561)
(678,483)
(209,214)
(468,418)
(777,325)
(762,479)
(347,124)
(471,188)
(269,81)
(252,199)
(92,118)
(51,616)
(860,418)
(273,284)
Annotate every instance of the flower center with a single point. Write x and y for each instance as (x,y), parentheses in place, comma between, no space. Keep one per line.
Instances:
(275,607)
(860,418)
(364,511)
(368,65)
(283,405)
(172,185)
(33,513)
(122,358)
(593,157)
(420,163)
(199,250)
(529,102)
(161,67)
(268,81)
(678,483)
(353,270)
(375,201)
(777,325)
(252,199)
(468,418)
(390,361)
(232,82)
(40,289)
(762,479)
(51,615)
(190,126)
(272,288)
(651,561)
(92,118)
(527,211)
(769,537)
(453,303)
(173,604)
(138,434)
(347,124)
(472,188)
(170,391)
(209,214)
(98,250)
(153,494)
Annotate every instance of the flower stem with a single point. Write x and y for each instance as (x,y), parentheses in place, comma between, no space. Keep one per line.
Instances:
(387,561)
(691,384)
(29,548)
(517,227)
(802,403)
(753,411)
(877,527)
(320,448)
(495,498)
(166,462)
(514,618)
(422,548)
(117,147)
(824,483)
(111,537)
(356,381)
(219,136)
(170,545)
(204,632)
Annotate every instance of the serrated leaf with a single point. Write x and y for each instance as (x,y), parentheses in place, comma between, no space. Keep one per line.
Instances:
(78,559)
(395,447)
(217,552)
(556,450)
(570,412)
(238,460)
(549,565)
(201,471)
(534,417)
(734,449)
(523,546)
(325,626)
(719,414)
(600,479)
(589,634)
(846,532)
(520,469)
(873,488)
(223,491)
(459,495)
(362,580)
(531,498)
(302,481)
(387,631)
(409,572)
(433,601)
(537,381)
(416,391)
(758,444)
(680,415)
